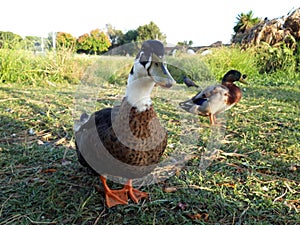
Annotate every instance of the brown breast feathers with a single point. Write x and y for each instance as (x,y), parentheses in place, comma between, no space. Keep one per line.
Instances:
(235,93)
(135,138)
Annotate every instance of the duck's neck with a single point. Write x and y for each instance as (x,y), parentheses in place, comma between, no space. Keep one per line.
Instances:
(138,93)
(228,83)
(235,93)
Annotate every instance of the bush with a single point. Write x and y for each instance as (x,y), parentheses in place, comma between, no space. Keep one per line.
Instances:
(111,69)
(226,58)
(191,66)
(274,58)
(26,67)
(63,66)
(263,64)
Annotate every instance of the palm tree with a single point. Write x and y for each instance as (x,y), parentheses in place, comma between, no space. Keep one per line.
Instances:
(245,22)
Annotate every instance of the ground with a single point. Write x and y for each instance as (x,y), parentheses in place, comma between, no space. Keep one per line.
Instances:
(251,175)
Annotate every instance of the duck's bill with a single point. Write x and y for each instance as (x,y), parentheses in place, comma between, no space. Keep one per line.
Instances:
(243,79)
(161,75)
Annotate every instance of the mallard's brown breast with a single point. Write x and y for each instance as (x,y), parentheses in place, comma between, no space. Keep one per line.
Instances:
(234,94)
(135,138)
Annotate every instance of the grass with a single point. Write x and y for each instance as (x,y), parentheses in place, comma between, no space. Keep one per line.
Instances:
(20,66)
(253,179)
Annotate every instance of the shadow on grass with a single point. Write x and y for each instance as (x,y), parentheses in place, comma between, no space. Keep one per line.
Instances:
(44,183)
(41,183)
(32,111)
(32,122)
(39,188)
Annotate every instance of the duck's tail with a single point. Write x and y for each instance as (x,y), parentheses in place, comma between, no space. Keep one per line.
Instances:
(187,105)
(83,119)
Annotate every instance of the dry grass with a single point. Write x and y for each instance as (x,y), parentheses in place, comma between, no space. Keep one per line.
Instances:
(253,178)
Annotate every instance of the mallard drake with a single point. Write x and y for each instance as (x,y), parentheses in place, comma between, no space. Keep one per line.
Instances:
(189,83)
(216,99)
(127,140)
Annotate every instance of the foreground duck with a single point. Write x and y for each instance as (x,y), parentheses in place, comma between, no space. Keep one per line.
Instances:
(218,98)
(127,140)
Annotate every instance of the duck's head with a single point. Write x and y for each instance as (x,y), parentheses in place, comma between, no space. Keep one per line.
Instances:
(149,69)
(234,75)
(150,63)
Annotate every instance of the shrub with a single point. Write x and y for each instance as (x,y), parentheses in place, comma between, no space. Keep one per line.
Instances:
(26,67)
(263,64)
(113,69)
(65,41)
(273,58)
(223,59)
(189,65)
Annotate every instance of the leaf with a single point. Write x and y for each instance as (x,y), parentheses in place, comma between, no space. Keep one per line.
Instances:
(47,136)
(39,142)
(60,141)
(233,154)
(170,189)
(198,216)
(227,185)
(51,170)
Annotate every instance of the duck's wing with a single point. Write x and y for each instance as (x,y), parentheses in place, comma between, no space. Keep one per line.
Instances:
(211,100)
(211,91)
(88,143)
(95,140)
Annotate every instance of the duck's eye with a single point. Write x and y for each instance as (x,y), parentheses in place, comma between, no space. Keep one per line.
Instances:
(244,76)
(156,64)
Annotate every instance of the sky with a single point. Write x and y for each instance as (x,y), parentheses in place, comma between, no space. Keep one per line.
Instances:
(203,22)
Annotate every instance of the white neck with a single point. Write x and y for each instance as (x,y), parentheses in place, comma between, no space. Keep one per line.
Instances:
(138,92)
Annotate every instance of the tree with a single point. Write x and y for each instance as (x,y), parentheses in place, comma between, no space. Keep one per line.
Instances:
(9,39)
(65,41)
(83,44)
(100,41)
(34,43)
(114,35)
(130,36)
(245,22)
(31,42)
(150,31)
(185,43)
(96,42)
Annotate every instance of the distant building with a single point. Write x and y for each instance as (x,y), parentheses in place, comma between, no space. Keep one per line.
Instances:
(204,50)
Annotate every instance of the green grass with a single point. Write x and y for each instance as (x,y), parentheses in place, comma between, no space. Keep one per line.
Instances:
(253,180)
(20,66)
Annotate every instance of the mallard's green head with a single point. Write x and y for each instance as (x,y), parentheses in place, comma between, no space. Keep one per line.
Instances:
(234,75)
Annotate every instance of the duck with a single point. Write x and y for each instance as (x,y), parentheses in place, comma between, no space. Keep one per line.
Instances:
(189,83)
(216,99)
(127,140)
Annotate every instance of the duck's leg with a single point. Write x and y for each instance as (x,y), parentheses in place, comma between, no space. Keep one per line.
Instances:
(212,119)
(134,194)
(114,197)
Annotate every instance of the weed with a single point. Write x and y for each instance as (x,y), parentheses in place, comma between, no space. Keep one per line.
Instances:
(252,179)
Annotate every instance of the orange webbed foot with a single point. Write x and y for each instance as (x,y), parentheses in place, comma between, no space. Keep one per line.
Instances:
(114,197)
(135,194)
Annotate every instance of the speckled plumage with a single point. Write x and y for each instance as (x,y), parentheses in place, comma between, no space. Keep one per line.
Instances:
(137,139)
